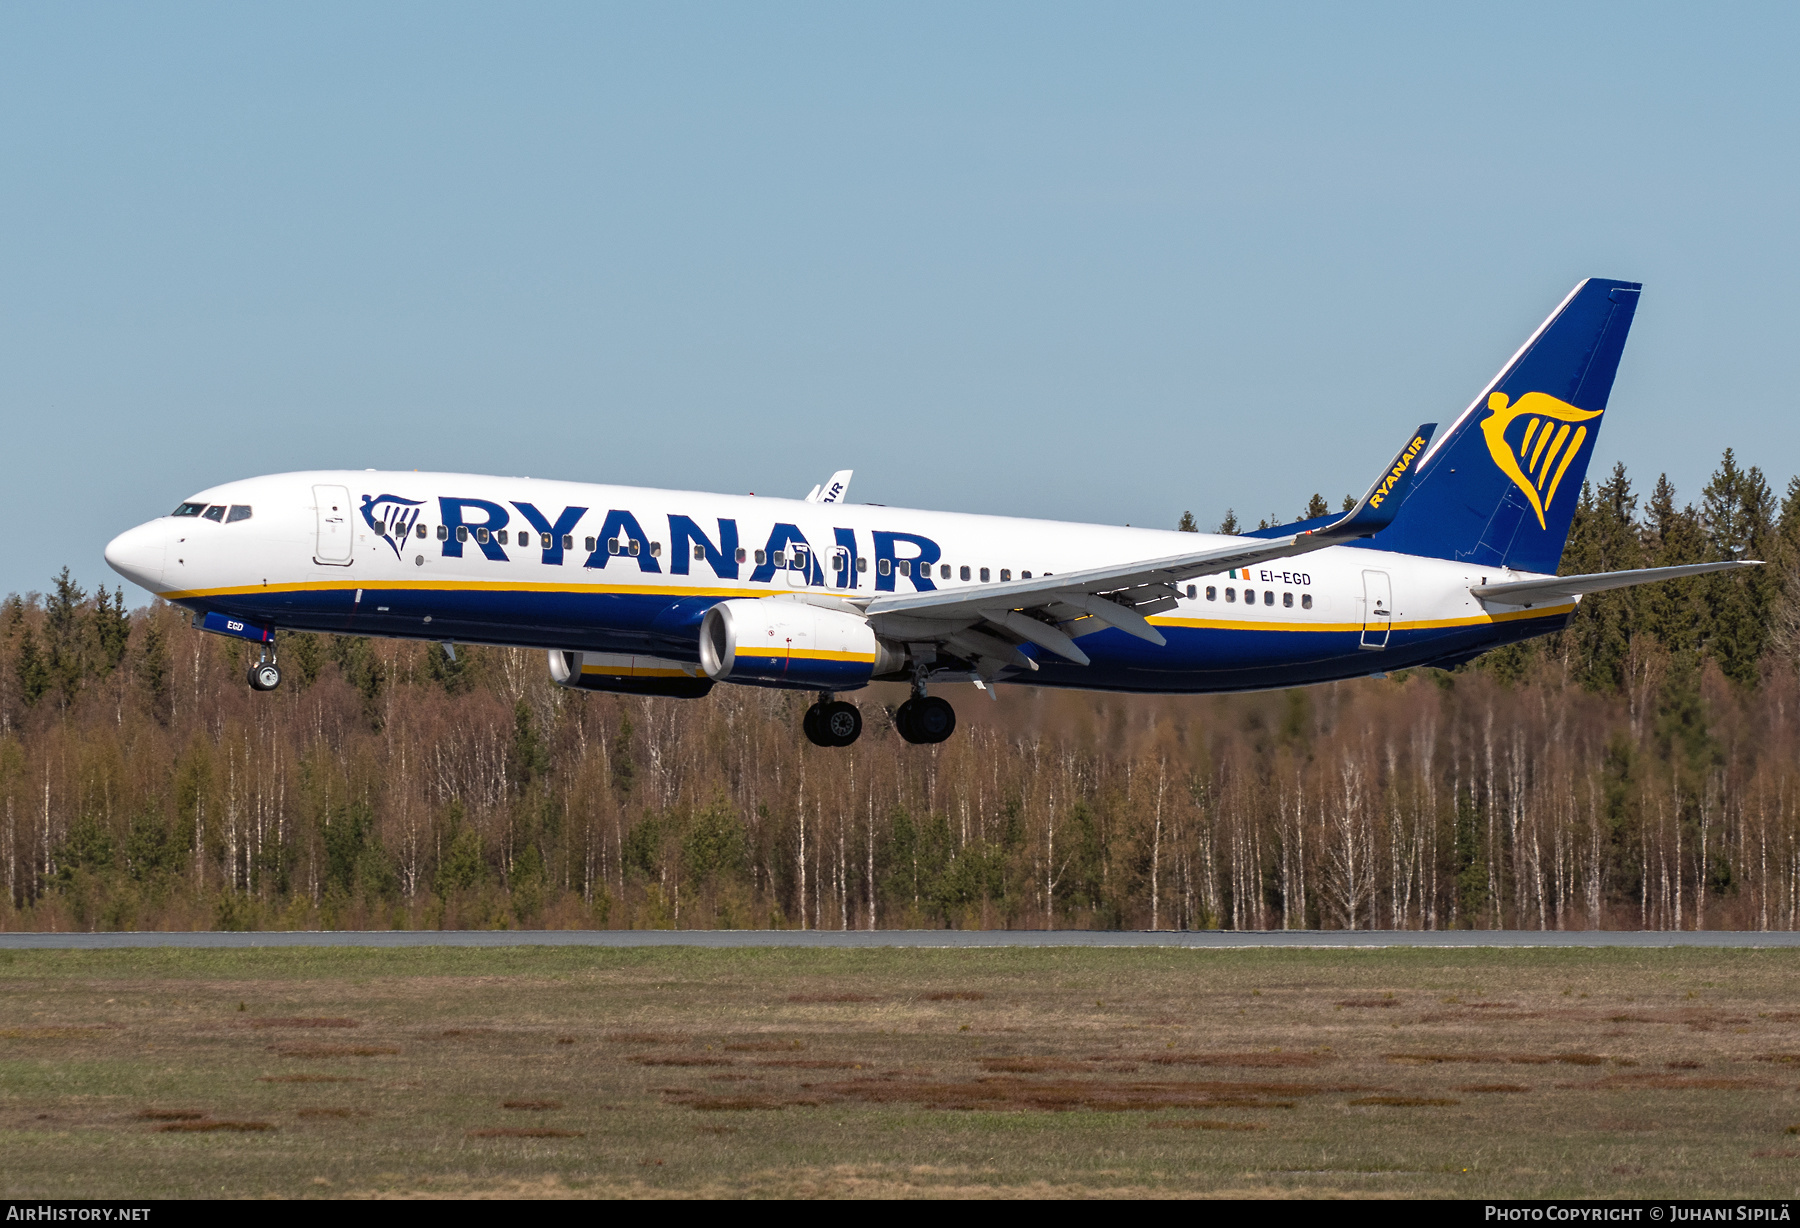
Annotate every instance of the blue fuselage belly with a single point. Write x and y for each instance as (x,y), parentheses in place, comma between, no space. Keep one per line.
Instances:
(1196,659)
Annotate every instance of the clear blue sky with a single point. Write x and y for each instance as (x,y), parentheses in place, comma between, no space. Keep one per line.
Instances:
(1103,262)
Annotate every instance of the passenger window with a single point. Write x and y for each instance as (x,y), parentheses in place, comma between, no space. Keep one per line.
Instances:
(1306,601)
(217,512)
(885,567)
(984,575)
(500,536)
(568,541)
(544,541)
(239,511)
(839,561)
(740,553)
(656,550)
(1005,575)
(612,545)
(481,536)
(1024,575)
(964,573)
(699,553)
(944,572)
(780,558)
(905,566)
(1191,592)
(634,547)
(421,530)
(1287,600)
(189,509)
(1212,594)
(862,563)
(462,532)
(1231,594)
(589,544)
(761,558)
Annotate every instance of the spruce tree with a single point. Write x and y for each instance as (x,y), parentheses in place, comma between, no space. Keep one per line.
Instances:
(1737,514)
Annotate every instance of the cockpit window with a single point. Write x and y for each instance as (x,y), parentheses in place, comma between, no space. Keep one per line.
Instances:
(214,513)
(189,509)
(239,511)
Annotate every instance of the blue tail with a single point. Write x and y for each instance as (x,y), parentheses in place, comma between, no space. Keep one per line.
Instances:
(1500,487)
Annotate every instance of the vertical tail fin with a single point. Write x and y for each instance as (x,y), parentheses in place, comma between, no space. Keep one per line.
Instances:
(1499,487)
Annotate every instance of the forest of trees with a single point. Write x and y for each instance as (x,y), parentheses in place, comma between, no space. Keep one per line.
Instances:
(1642,769)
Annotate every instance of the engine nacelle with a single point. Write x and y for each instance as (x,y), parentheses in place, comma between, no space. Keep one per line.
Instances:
(790,643)
(627,675)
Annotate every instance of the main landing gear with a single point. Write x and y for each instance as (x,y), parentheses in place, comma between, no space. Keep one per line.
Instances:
(265,675)
(831,722)
(924,719)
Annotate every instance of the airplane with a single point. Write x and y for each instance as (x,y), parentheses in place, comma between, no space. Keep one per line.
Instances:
(1451,551)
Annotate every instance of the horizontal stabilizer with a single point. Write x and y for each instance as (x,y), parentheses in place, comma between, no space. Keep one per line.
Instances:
(1535,592)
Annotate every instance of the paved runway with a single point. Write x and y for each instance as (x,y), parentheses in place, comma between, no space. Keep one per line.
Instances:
(1208,940)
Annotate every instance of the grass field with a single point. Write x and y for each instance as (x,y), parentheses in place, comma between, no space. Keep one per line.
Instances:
(560,1071)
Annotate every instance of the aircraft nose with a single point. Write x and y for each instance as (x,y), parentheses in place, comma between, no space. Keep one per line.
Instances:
(137,554)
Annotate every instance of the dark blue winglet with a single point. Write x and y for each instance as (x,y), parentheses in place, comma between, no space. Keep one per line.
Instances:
(1377,508)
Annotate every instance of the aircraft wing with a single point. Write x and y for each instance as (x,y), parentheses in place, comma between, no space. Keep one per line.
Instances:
(988,623)
(1553,588)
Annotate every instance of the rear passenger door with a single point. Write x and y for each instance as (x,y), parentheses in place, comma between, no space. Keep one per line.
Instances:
(1378,609)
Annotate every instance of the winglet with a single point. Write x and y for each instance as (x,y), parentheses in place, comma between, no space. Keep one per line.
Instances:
(1377,509)
(833,489)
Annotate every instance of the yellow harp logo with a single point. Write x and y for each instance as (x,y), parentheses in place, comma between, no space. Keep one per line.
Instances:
(1551,440)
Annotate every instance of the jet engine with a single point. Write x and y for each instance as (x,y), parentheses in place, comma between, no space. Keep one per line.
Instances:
(627,675)
(791,643)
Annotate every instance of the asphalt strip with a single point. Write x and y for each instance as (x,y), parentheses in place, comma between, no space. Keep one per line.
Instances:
(1205,940)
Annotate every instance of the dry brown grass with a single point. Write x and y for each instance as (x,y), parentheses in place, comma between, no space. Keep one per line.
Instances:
(1517,1059)
(1201,1123)
(534,1106)
(829,999)
(523,1132)
(1029,1089)
(209,1127)
(1007,1093)
(169,1114)
(1031,1065)
(1367,1003)
(955,995)
(1268,1061)
(1667,1082)
(85,1031)
(334,1050)
(295,1021)
(1405,1102)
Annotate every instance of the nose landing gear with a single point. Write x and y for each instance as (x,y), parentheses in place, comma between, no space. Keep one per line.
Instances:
(264,675)
(831,722)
